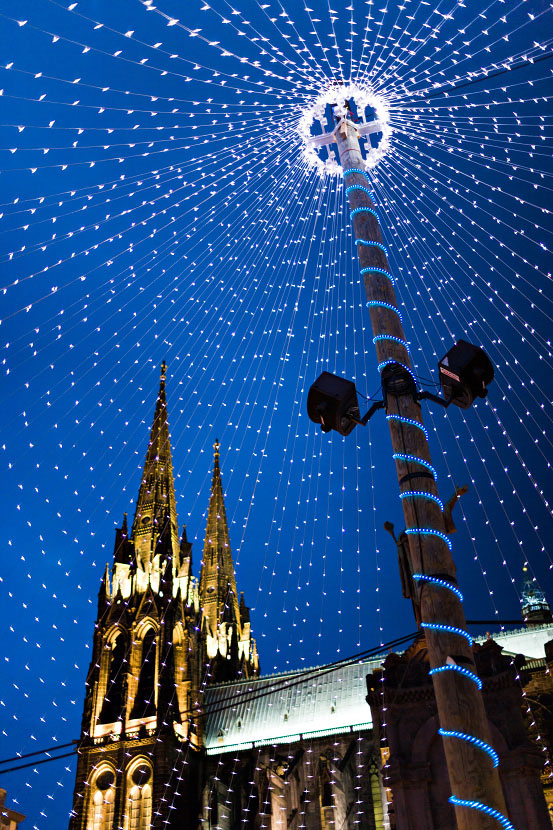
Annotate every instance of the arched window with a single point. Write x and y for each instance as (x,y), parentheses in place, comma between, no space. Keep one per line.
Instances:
(113,700)
(102,797)
(138,815)
(145,700)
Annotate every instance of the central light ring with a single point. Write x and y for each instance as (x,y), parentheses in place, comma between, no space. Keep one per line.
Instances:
(316,116)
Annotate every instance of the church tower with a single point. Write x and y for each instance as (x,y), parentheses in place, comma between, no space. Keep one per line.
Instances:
(142,719)
(160,639)
(226,635)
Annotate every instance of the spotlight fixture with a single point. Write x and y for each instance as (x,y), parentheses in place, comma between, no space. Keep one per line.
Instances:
(465,372)
(332,403)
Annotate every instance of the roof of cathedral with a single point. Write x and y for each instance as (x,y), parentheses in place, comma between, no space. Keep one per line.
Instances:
(284,707)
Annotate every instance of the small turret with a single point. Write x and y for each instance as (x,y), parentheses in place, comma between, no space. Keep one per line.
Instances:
(104,593)
(123,552)
(244,610)
(184,567)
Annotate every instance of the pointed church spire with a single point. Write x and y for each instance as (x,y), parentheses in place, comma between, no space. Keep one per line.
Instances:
(156,511)
(217,583)
(217,534)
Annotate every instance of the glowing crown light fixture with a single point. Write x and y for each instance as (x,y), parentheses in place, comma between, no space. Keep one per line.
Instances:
(321,116)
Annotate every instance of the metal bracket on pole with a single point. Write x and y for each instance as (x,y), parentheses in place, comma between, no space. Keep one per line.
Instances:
(436,398)
(418,396)
(365,419)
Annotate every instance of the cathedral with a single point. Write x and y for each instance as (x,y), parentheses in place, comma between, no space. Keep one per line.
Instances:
(180,731)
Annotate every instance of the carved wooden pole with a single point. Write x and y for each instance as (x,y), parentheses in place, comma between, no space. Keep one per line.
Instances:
(471,761)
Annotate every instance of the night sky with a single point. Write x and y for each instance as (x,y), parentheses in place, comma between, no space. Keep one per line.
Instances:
(157,203)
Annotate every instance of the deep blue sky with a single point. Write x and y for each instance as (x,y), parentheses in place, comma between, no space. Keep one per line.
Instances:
(187,228)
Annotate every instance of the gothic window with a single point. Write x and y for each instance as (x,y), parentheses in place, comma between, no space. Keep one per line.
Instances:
(138,814)
(113,700)
(145,700)
(102,797)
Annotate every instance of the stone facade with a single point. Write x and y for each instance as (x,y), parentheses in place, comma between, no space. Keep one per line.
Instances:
(316,783)
(405,717)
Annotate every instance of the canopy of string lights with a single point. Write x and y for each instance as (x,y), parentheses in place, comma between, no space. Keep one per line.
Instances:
(163,198)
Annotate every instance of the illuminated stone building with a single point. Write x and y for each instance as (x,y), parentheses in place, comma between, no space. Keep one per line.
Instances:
(179,731)
(154,650)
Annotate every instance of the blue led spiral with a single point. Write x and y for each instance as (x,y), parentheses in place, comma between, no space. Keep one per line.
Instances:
(435,580)
(391,337)
(355,170)
(429,531)
(420,494)
(402,420)
(360,187)
(414,459)
(459,670)
(391,360)
(482,808)
(357,210)
(370,244)
(470,739)
(382,304)
(449,628)
(378,271)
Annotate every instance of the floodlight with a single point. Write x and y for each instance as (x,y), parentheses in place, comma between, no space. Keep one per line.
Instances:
(332,403)
(465,372)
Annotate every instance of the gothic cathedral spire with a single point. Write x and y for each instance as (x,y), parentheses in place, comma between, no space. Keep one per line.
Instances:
(156,509)
(225,623)
(152,552)
(217,582)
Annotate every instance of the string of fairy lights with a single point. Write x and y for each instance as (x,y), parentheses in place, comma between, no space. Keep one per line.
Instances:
(157,204)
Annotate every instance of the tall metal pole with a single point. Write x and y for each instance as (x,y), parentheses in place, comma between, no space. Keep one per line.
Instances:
(471,761)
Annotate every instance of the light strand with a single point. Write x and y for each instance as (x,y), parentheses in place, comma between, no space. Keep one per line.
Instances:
(401,419)
(435,580)
(482,808)
(382,304)
(429,531)
(414,459)
(458,670)
(449,629)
